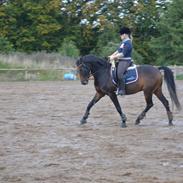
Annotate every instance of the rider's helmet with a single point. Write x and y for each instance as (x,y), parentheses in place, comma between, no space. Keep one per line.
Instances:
(125,30)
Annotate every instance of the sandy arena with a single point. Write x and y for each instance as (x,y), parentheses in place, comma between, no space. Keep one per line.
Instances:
(41,140)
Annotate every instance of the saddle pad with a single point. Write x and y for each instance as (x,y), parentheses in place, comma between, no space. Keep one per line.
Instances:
(130,76)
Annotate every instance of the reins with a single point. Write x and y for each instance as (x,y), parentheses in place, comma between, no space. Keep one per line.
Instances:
(89,69)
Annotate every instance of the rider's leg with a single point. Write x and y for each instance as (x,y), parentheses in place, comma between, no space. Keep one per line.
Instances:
(122,66)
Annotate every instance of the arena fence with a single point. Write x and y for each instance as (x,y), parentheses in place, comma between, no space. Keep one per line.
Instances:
(177,70)
(26,74)
(51,73)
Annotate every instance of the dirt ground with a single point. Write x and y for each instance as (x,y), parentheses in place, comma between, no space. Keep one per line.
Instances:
(41,140)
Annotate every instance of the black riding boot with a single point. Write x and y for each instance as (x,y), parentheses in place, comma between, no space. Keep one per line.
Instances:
(121,87)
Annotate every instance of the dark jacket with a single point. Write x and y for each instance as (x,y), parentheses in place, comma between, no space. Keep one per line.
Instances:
(126,48)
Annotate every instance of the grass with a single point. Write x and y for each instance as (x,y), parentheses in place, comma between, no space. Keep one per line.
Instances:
(41,66)
(7,75)
(4,66)
(40,61)
(179,77)
(9,66)
(50,75)
(22,75)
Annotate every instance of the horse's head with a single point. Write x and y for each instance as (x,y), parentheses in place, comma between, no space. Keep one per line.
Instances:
(83,69)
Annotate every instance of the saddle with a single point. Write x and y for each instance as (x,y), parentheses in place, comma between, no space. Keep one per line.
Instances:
(130,75)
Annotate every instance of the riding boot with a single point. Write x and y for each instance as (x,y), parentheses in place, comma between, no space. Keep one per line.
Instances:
(121,87)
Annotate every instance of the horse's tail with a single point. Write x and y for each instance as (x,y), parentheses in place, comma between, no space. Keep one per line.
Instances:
(169,79)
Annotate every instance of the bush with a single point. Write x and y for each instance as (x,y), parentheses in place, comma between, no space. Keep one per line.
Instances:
(5,45)
(69,49)
(108,49)
(138,58)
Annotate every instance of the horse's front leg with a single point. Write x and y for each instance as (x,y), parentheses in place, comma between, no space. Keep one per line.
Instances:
(115,101)
(95,99)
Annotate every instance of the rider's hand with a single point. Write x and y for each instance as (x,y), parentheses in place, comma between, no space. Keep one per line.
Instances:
(111,57)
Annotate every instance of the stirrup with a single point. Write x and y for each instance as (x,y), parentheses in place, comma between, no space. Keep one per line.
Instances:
(120,92)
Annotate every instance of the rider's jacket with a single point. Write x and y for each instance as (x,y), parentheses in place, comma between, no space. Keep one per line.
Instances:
(126,49)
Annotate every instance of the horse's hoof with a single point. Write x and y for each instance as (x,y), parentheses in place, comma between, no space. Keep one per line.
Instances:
(137,122)
(83,121)
(123,119)
(171,124)
(123,125)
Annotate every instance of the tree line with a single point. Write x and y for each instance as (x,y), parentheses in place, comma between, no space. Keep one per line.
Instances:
(74,27)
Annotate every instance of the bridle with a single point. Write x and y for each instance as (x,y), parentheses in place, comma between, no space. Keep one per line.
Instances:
(83,65)
(86,69)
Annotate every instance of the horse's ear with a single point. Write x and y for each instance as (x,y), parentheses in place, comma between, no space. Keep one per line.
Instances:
(79,61)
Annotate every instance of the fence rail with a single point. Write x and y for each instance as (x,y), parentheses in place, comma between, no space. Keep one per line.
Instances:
(30,73)
(36,69)
(177,70)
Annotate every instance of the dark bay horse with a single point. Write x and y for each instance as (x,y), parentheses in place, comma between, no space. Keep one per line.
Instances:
(149,81)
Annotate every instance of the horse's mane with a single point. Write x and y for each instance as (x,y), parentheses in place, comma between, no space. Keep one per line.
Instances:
(92,59)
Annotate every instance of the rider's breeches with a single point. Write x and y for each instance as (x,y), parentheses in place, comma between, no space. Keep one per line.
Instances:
(122,67)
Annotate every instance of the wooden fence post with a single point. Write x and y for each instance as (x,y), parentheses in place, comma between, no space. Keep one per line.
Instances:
(26,74)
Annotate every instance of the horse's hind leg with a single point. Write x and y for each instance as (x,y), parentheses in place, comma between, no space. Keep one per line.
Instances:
(165,102)
(149,104)
(95,99)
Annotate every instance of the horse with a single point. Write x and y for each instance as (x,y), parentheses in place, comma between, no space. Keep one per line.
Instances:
(149,81)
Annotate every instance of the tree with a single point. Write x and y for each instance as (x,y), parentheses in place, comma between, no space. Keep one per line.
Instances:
(30,25)
(5,45)
(107,42)
(141,16)
(144,14)
(91,25)
(69,48)
(168,45)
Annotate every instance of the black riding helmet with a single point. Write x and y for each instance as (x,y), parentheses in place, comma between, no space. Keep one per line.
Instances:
(125,30)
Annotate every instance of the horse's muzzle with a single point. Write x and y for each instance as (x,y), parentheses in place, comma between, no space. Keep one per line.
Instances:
(84,82)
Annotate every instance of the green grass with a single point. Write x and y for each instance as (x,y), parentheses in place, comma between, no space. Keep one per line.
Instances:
(5,66)
(9,66)
(6,75)
(179,77)
(21,75)
(50,75)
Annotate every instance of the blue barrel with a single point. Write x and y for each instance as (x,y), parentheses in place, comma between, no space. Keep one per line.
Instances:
(69,76)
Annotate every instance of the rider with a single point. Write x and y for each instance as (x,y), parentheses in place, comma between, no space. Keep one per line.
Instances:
(123,56)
